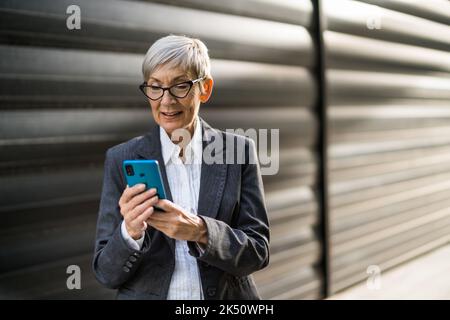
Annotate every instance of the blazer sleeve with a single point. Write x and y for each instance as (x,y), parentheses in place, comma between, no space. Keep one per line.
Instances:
(114,261)
(243,249)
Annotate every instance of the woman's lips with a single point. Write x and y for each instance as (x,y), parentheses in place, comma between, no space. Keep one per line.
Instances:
(172,114)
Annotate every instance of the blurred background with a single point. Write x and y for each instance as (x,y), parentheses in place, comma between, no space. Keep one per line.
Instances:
(360,91)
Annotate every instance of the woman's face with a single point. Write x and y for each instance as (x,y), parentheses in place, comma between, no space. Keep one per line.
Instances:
(173,113)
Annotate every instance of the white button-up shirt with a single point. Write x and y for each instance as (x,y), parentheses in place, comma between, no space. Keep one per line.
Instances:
(184,183)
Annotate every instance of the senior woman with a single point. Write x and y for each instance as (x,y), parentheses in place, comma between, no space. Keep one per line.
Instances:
(212,232)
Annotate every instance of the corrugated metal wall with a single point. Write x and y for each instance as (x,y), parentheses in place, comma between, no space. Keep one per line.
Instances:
(67,95)
(389,155)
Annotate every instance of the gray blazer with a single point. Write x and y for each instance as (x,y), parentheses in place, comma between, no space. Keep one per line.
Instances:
(231,202)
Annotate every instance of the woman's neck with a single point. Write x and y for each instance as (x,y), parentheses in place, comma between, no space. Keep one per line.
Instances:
(179,138)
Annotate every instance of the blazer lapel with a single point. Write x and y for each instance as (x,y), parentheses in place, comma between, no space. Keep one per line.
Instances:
(213,176)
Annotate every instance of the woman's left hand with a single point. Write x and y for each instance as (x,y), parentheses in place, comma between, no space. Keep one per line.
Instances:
(177,223)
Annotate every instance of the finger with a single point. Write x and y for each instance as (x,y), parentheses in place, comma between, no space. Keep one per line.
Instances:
(139,224)
(139,221)
(164,227)
(164,204)
(141,227)
(159,216)
(129,193)
(159,225)
(140,198)
(146,214)
(128,205)
(138,210)
(122,198)
(146,209)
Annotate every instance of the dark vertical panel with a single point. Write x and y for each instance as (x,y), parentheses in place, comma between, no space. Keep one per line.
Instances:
(322,141)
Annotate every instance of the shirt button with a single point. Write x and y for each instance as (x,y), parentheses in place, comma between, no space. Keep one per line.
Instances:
(126,269)
(128,264)
(133,259)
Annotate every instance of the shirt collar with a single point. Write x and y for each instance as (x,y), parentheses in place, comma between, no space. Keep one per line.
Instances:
(171,151)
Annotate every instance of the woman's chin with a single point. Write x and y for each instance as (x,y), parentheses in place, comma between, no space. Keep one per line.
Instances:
(171,126)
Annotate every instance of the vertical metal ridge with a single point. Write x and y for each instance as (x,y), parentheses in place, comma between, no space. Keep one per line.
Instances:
(322,142)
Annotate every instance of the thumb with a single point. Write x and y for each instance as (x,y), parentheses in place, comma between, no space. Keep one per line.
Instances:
(164,204)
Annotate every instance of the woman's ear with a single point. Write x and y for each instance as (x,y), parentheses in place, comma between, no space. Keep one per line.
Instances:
(207,86)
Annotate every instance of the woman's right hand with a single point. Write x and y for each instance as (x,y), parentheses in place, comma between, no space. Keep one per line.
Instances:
(136,207)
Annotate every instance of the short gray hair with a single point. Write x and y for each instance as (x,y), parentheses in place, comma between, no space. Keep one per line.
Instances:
(188,53)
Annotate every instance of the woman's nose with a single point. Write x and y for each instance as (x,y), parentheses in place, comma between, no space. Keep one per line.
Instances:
(167,98)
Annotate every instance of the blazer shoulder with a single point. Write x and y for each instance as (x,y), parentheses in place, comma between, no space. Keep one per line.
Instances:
(125,149)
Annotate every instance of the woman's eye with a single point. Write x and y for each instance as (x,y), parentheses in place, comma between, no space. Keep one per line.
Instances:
(182,86)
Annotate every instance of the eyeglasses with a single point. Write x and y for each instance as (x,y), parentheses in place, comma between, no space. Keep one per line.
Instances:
(179,90)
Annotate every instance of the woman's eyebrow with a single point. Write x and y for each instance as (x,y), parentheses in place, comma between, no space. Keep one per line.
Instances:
(173,80)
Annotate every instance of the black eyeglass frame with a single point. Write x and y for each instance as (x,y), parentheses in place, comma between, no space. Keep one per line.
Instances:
(191,83)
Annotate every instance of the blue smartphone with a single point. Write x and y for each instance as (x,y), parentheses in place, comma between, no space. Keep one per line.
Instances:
(146,172)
